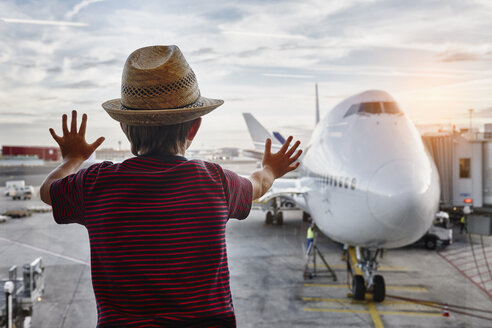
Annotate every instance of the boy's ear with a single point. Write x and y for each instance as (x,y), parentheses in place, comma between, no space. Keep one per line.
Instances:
(194,129)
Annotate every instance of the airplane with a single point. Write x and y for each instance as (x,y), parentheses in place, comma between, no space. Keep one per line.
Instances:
(367,181)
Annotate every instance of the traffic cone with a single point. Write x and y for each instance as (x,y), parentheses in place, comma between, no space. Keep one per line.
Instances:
(445,310)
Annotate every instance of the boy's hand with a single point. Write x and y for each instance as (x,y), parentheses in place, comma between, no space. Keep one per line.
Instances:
(72,143)
(281,162)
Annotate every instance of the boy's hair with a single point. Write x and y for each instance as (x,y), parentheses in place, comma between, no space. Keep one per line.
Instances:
(157,140)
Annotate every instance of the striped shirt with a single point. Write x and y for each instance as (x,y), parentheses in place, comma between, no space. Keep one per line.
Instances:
(157,235)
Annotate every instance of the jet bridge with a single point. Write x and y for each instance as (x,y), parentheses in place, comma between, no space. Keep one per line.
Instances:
(464,162)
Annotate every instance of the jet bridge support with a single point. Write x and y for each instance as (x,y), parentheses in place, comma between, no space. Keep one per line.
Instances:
(311,255)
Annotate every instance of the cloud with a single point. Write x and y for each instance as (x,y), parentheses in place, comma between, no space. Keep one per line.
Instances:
(345,45)
(81,85)
(449,57)
(79,6)
(288,76)
(42,22)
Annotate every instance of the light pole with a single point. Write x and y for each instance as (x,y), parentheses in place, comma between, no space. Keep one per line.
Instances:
(471,114)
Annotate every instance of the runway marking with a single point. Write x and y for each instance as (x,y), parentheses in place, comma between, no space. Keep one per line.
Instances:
(410,313)
(376,319)
(352,301)
(406,288)
(344,266)
(68,258)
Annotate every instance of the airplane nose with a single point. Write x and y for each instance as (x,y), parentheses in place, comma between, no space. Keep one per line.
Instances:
(397,191)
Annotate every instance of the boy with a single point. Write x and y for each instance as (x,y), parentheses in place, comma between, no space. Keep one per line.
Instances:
(156,222)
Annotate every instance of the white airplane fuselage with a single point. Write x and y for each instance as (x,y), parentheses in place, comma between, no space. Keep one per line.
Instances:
(367,177)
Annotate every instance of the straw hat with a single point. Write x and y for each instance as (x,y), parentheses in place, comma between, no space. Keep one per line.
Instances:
(158,87)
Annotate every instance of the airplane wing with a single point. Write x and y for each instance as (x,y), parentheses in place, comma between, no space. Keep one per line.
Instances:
(285,189)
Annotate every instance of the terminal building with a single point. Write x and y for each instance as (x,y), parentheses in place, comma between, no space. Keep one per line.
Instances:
(42,153)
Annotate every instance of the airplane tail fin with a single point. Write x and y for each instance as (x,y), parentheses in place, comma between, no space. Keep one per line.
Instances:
(279,137)
(317,104)
(259,134)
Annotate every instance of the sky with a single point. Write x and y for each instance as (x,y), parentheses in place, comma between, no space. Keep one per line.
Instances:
(263,57)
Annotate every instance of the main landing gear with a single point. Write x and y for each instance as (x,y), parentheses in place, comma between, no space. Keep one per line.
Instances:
(275,215)
(362,262)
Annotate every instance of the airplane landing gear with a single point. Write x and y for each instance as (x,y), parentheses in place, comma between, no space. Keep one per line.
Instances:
(275,216)
(378,288)
(271,217)
(363,262)
(358,288)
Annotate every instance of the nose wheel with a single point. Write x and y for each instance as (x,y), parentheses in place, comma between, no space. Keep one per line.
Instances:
(378,288)
(363,264)
(358,288)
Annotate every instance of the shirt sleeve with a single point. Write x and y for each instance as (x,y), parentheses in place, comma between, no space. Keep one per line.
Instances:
(239,194)
(67,199)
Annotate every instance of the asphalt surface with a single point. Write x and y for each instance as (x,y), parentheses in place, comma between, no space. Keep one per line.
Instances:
(266,264)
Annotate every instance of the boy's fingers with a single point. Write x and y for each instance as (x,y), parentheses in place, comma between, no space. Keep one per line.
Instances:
(285,145)
(64,124)
(293,167)
(54,135)
(299,152)
(293,148)
(268,147)
(97,143)
(83,125)
(73,128)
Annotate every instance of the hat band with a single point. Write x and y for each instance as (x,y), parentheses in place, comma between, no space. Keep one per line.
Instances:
(197,103)
(188,82)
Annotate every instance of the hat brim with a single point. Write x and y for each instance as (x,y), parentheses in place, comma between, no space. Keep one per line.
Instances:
(156,117)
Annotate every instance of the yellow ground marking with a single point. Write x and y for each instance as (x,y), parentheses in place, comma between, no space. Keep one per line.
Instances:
(353,260)
(390,268)
(430,314)
(375,315)
(405,288)
(351,301)
(343,266)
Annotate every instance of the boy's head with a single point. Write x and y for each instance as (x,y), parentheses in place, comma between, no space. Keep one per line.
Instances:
(160,102)
(161,140)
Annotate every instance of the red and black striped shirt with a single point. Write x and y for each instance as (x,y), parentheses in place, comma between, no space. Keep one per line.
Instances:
(157,235)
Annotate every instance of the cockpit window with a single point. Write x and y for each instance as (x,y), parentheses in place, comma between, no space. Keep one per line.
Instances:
(391,107)
(388,107)
(352,110)
(370,108)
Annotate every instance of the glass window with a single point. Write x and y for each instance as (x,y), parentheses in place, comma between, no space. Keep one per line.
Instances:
(391,107)
(340,182)
(352,110)
(347,182)
(354,181)
(465,168)
(370,108)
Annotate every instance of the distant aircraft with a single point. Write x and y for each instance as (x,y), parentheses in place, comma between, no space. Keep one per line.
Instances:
(367,181)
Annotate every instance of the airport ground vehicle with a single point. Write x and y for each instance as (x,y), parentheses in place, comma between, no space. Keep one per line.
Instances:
(22,193)
(21,293)
(440,233)
(17,189)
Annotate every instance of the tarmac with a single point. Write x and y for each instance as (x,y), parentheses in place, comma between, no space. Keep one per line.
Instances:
(268,287)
